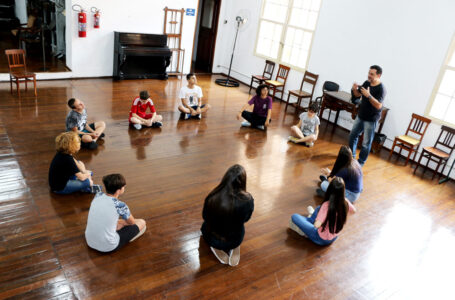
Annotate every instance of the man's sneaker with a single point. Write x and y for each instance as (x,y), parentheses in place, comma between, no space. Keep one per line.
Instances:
(137,126)
(309,145)
(293,139)
(246,124)
(261,127)
(310,210)
(296,228)
(157,124)
(199,116)
(96,188)
(322,178)
(234,257)
(139,234)
(221,255)
(320,192)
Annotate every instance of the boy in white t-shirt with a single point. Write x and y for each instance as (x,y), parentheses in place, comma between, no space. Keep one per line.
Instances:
(191,97)
(307,130)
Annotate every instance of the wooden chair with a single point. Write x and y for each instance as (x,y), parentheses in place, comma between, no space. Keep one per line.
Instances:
(18,70)
(309,78)
(266,75)
(441,150)
(417,127)
(328,86)
(279,83)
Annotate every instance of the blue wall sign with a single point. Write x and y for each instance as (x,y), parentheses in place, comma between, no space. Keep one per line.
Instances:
(190,11)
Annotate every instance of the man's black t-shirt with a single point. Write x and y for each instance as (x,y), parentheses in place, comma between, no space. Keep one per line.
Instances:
(61,169)
(367,112)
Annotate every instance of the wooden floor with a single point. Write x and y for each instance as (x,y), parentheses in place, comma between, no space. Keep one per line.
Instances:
(399,245)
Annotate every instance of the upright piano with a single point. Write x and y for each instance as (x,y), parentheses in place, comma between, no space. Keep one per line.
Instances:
(140,55)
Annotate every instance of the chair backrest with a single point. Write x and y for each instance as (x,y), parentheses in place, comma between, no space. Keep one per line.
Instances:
(16,59)
(446,140)
(268,69)
(330,86)
(282,74)
(311,79)
(418,126)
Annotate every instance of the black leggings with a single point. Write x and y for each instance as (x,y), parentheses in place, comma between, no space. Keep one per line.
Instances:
(255,119)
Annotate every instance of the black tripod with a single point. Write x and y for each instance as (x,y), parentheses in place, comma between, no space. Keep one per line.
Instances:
(229,82)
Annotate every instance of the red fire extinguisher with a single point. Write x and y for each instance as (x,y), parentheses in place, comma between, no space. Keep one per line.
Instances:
(82,20)
(96,16)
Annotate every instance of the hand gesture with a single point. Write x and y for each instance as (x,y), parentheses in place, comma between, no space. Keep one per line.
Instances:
(365,92)
(325,171)
(355,86)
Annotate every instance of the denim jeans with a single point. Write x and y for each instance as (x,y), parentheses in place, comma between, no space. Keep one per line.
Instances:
(307,226)
(351,196)
(368,129)
(75,185)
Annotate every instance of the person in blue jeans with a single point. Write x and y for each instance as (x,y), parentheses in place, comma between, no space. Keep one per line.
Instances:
(66,174)
(347,168)
(325,223)
(371,93)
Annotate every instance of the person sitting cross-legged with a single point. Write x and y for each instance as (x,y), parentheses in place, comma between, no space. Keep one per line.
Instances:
(307,130)
(191,97)
(110,224)
(260,116)
(138,112)
(76,121)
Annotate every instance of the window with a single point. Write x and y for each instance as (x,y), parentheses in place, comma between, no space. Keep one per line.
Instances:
(442,104)
(286,30)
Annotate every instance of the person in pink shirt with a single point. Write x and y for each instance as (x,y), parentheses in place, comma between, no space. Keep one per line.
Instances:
(325,223)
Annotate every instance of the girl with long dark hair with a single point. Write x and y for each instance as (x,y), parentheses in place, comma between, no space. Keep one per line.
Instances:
(347,168)
(326,222)
(226,209)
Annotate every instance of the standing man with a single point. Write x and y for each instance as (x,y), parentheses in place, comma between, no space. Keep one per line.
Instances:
(373,93)
(191,97)
(76,121)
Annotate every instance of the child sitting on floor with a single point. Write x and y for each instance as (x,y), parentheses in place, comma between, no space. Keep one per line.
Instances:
(138,112)
(307,130)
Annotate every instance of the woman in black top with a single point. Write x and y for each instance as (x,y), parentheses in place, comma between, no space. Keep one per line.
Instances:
(226,209)
(66,174)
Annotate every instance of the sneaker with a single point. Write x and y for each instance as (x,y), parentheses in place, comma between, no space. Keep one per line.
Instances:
(137,126)
(261,127)
(199,116)
(95,189)
(310,210)
(246,124)
(320,192)
(139,234)
(309,145)
(296,228)
(92,145)
(293,139)
(187,116)
(322,178)
(234,257)
(221,255)
(157,124)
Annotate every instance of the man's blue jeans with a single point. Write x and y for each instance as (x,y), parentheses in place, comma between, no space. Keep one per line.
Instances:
(75,185)
(307,226)
(368,129)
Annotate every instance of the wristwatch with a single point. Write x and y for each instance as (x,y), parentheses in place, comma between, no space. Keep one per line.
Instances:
(369,97)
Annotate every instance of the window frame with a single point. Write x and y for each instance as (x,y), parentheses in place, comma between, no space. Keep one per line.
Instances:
(445,66)
(285,26)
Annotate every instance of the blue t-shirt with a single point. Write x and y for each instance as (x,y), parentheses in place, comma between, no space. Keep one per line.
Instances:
(353,183)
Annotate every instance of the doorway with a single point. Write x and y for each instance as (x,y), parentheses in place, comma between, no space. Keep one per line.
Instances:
(206,30)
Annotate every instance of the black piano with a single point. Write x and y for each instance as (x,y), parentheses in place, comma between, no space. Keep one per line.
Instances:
(140,55)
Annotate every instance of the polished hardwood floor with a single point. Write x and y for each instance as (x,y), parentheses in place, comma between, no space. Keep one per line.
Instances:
(399,245)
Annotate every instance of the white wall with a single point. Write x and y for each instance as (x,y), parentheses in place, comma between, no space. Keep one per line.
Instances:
(408,38)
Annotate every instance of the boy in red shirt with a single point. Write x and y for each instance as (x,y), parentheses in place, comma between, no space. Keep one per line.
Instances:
(138,112)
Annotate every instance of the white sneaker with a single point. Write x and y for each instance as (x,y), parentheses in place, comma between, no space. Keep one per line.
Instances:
(246,124)
(296,228)
(199,116)
(221,255)
(139,234)
(137,126)
(293,139)
(234,257)
(310,210)
(309,145)
(261,127)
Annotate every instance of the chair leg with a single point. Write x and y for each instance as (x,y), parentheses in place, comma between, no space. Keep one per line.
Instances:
(436,170)
(11,85)
(418,163)
(26,84)
(274,91)
(409,155)
(34,84)
(287,102)
(391,149)
(282,94)
(251,84)
(18,88)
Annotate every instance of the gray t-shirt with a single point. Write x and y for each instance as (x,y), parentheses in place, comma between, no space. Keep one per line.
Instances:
(101,232)
(308,126)
(75,119)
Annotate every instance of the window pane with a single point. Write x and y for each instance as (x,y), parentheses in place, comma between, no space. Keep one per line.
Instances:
(440,106)
(304,14)
(448,83)
(269,39)
(296,47)
(275,10)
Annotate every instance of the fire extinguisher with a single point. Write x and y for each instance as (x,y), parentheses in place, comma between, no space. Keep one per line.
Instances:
(82,20)
(96,16)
